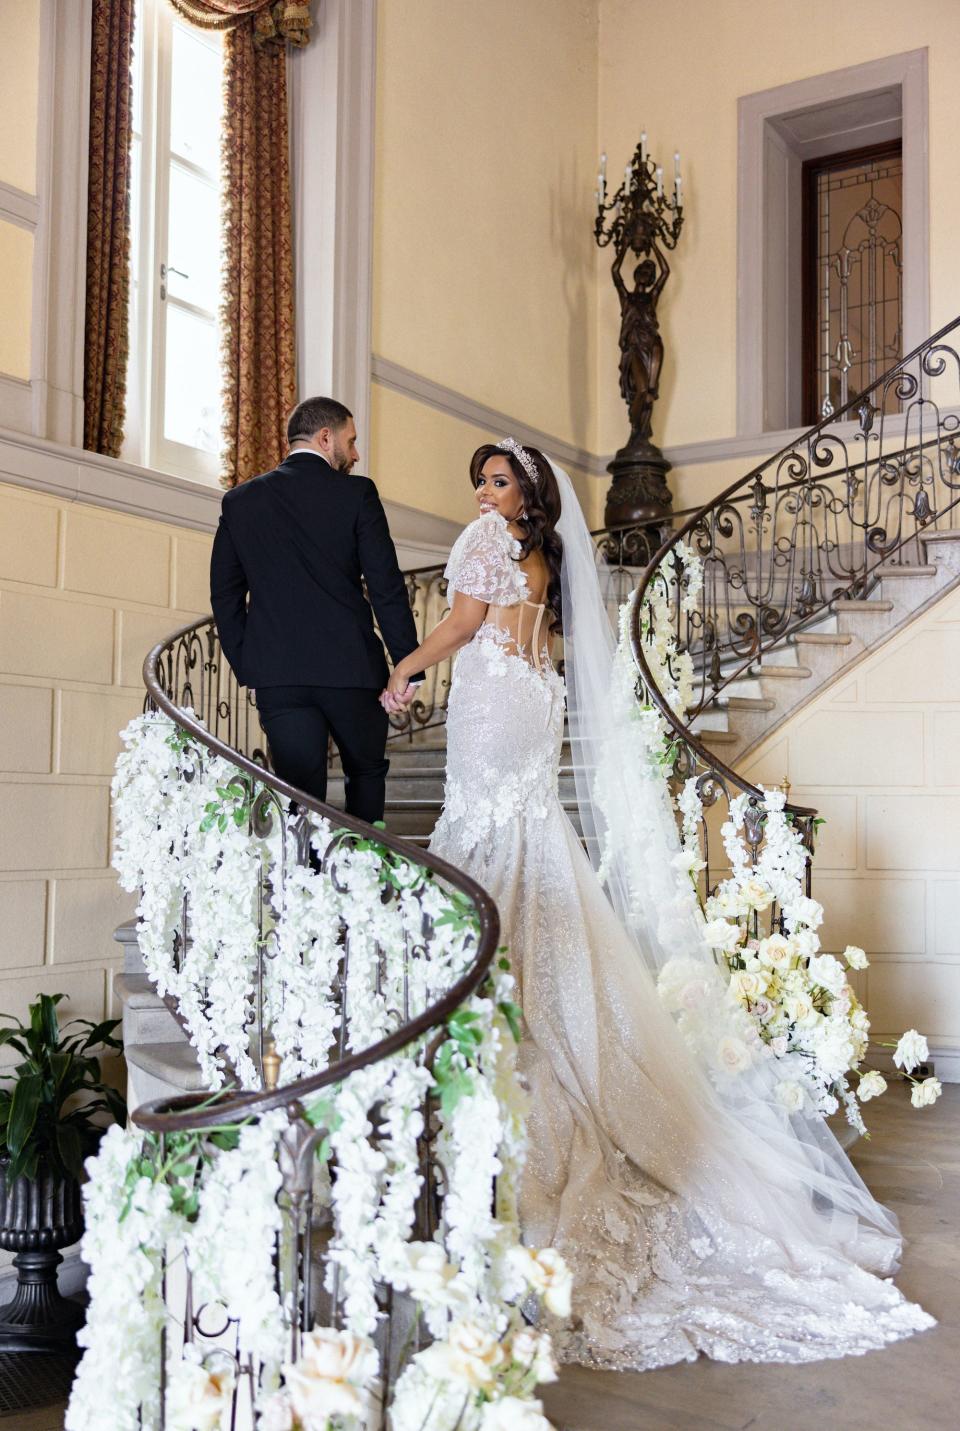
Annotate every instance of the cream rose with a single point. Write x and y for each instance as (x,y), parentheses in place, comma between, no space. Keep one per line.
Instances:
(470,1354)
(426,1274)
(534,1352)
(911,1050)
(332,1376)
(733,1055)
(545,1273)
(200,1398)
(925,1093)
(828,973)
(855,957)
(871,1085)
(755,895)
(744,985)
(775,952)
(799,1009)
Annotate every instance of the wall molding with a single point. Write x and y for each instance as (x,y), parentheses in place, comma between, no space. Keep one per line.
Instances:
(762,281)
(489,419)
(332,113)
(19,207)
(74,475)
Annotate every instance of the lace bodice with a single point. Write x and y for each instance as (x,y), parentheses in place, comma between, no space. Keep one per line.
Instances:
(484,564)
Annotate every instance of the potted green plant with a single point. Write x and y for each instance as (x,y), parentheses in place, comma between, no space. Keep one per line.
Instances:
(51,1109)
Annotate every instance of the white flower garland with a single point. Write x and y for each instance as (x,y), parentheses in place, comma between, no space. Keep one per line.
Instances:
(183,827)
(784,998)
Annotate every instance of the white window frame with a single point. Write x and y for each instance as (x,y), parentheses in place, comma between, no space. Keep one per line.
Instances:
(144,440)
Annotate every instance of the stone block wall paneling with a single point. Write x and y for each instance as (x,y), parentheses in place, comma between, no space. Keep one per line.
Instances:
(878,754)
(84,593)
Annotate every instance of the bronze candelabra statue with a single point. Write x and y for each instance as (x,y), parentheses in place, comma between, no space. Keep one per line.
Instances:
(639,219)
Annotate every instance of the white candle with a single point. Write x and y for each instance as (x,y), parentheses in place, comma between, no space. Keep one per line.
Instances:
(643,146)
(677,191)
(676,164)
(628,178)
(659,181)
(603,166)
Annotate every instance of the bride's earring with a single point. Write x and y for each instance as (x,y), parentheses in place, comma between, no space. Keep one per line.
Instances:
(522,515)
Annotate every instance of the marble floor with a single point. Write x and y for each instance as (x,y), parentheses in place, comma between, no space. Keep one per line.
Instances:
(912,1163)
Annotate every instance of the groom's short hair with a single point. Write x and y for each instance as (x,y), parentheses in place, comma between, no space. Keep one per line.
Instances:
(315,413)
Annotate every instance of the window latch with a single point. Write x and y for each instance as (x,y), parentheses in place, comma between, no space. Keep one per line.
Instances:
(164,270)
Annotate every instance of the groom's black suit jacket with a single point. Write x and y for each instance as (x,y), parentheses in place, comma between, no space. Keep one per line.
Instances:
(300,540)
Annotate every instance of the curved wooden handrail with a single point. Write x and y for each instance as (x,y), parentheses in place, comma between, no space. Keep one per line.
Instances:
(182,1114)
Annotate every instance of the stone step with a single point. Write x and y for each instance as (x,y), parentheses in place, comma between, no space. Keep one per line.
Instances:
(146,1018)
(938,536)
(784,672)
(867,605)
(822,638)
(161,1070)
(717,737)
(887,572)
(749,703)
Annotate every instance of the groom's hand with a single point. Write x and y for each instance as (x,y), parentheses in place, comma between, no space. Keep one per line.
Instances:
(398,695)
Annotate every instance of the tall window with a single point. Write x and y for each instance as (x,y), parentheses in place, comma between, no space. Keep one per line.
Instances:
(853,275)
(174,388)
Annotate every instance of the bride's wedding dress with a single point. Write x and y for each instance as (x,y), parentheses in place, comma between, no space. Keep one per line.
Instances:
(686,1232)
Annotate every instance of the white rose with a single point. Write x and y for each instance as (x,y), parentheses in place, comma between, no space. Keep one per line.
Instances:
(694,994)
(855,957)
(545,1273)
(911,1050)
(511,1413)
(871,1085)
(200,1399)
(733,1055)
(426,1274)
(534,1352)
(779,1045)
(764,1009)
(775,952)
(688,862)
(755,895)
(720,934)
(925,1093)
(806,911)
(828,973)
(804,943)
(726,903)
(790,1095)
(799,1010)
(470,1354)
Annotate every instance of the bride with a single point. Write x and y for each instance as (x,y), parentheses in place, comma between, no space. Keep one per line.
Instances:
(695,1219)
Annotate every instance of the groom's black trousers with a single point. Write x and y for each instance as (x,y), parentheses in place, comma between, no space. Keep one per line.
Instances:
(299,721)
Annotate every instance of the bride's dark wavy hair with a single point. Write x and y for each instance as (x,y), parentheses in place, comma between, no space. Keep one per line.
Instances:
(541,505)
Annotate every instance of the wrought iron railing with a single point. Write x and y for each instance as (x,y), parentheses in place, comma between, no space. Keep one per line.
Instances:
(782,547)
(188,680)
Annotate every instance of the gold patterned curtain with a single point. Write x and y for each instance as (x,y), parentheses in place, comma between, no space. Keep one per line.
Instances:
(259,351)
(106,329)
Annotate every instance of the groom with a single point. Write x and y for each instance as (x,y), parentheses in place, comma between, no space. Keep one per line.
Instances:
(300,541)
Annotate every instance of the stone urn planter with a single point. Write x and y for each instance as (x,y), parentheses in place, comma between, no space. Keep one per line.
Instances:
(38,1217)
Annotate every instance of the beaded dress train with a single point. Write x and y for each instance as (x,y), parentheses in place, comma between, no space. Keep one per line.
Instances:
(684,1236)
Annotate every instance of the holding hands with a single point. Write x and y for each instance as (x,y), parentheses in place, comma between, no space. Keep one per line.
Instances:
(399,692)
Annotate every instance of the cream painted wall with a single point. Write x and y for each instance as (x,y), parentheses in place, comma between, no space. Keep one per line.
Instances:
(83,595)
(878,753)
(20,49)
(16,265)
(483,253)
(678,71)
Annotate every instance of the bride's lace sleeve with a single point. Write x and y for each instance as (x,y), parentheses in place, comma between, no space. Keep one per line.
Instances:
(483,563)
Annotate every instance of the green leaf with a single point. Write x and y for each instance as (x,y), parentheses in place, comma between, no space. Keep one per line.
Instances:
(70,1148)
(24,1107)
(513,1014)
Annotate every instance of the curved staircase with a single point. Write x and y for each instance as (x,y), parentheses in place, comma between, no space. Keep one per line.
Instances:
(809,561)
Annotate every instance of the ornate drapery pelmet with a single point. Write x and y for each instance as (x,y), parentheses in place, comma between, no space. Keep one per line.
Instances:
(258,340)
(106,329)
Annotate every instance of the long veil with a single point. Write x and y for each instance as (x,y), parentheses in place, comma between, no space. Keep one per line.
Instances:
(631,836)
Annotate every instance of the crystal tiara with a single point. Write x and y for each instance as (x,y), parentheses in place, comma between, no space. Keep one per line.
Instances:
(511,445)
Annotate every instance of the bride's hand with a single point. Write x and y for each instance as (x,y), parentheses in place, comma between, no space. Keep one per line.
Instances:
(398,693)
